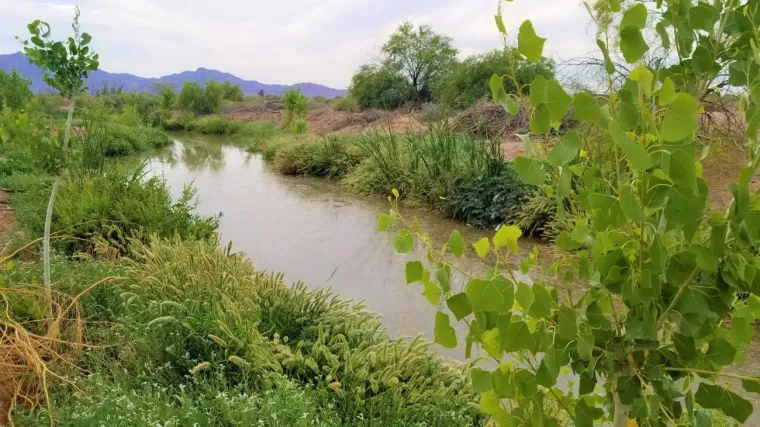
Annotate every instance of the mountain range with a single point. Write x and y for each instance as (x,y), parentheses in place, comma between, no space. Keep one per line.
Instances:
(131,82)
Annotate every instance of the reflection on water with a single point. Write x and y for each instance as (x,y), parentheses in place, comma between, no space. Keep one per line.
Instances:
(312,231)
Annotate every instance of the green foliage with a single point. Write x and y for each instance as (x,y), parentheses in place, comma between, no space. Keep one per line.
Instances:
(167,95)
(421,56)
(232,92)
(379,87)
(489,199)
(15,90)
(467,82)
(296,107)
(214,124)
(120,140)
(345,103)
(199,99)
(65,65)
(660,273)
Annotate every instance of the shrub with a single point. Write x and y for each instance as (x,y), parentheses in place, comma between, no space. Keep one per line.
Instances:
(232,92)
(345,103)
(488,199)
(331,157)
(121,140)
(467,83)
(15,90)
(296,107)
(259,130)
(201,100)
(213,124)
(379,87)
(180,122)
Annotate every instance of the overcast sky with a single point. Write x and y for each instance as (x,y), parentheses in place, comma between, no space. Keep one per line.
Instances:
(283,41)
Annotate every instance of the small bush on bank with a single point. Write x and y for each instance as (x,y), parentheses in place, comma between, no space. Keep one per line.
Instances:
(489,199)
(215,124)
(180,122)
(330,157)
(121,140)
(345,103)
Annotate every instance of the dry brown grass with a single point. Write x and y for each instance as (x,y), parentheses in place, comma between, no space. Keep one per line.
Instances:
(35,351)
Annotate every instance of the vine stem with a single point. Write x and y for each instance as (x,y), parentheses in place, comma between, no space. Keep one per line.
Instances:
(705,372)
(678,296)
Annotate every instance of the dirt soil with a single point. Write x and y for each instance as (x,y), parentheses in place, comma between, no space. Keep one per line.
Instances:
(324,120)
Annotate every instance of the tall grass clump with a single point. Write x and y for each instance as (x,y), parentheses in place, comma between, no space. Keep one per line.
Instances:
(198,308)
(329,157)
(345,103)
(214,124)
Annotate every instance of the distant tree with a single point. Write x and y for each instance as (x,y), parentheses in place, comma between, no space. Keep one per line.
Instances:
(167,95)
(296,107)
(195,98)
(467,82)
(15,91)
(421,56)
(261,92)
(379,87)
(232,92)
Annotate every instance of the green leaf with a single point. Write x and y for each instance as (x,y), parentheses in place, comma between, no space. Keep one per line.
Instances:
(500,24)
(632,44)
(484,295)
(514,335)
(395,193)
(564,186)
(490,403)
(721,352)
(630,204)
(667,92)
(456,243)
(565,242)
(524,296)
(702,61)
(541,122)
(682,169)
(433,293)
(628,114)
(403,242)
(680,121)
(529,170)
(383,222)
(568,322)
(444,334)
(751,386)
(529,44)
(566,149)
(585,345)
(702,17)
(481,380)
(482,247)
(644,77)
(584,416)
(501,97)
(443,275)
(507,291)
(711,396)
(507,236)
(692,300)
(459,305)
(586,108)
(538,91)
(557,100)
(663,32)
(636,16)
(635,154)
(542,303)
(609,66)
(414,271)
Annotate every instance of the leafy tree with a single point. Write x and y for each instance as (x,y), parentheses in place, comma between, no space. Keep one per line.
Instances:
(261,92)
(672,290)
(296,107)
(15,90)
(65,67)
(467,83)
(201,100)
(421,56)
(232,92)
(167,95)
(379,87)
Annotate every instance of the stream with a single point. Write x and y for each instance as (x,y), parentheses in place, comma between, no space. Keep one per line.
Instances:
(312,230)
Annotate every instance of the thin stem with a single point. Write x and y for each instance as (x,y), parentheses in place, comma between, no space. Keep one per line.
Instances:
(705,372)
(673,303)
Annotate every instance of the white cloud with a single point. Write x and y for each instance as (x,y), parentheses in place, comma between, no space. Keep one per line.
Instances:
(283,41)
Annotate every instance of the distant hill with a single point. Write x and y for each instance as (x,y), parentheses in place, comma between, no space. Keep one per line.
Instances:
(143,84)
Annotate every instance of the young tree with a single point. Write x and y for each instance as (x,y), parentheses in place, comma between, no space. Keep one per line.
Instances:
(15,90)
(232,92)
(65,67)
(167,95)
(421,55)
(671,290)
(379,87)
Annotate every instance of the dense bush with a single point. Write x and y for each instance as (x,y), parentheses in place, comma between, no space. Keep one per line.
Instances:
(232,92)
(15,90)
(331,157)
(379,87)
(199,99)
(121,139)
(214,124)
(488,199)
(345,103)
(467,82)
(115,206)
(296,107)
